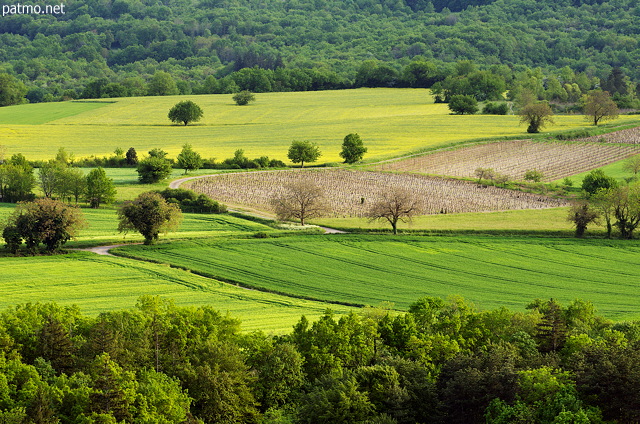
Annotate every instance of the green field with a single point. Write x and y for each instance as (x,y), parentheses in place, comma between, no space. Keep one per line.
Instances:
(489,271)
(541,221)
(101,283)
(390,121)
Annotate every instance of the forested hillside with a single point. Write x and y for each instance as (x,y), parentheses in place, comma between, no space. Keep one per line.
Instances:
(128,41)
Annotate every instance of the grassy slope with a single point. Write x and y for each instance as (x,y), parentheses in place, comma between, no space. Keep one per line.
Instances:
(390,121)
(41,113)
(98,283)
(489,271)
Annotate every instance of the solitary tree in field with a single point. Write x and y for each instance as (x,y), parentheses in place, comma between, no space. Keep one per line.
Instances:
(188,159)
(599,106)
(302,200)
(484,173)
(352,149)
(185,112)
(398,205)
(536,116)
(243,98)
(149,214)
(303,151)
(582,214)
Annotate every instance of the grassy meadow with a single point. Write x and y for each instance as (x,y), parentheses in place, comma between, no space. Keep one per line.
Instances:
(102,283)
(364,269)
(390,121)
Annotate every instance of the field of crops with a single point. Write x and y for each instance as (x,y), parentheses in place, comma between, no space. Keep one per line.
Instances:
(554,159)
(350,193)
(489,271)
(99,283)
(390,121)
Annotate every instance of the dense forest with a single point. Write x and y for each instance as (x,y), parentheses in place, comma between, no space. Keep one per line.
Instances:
(443,361)
(124,47)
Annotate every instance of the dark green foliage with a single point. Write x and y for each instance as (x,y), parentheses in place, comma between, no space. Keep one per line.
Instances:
(132,156)
(552,330)
(16,180)
(244,98)
(495,109)
(536,116)
(188,159)
(190,201)
(185,112)
(581,214)
(463,104)
(597,180)
(12,90)
(100,188)
(149,214)
(45,221)
(352,149)
(240,161)
(153,169)
(303,151)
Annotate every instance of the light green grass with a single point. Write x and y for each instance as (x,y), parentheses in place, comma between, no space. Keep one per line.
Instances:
(553,220)
(41,113)
(489,271)
(390,121)
(99,284)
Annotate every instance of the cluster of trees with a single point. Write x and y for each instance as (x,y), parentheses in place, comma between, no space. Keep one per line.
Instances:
(352,151)
(57,180)
(441,362)
(190,201)
(613,204)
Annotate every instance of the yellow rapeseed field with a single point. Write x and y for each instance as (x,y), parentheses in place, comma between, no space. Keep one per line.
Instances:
(390,121)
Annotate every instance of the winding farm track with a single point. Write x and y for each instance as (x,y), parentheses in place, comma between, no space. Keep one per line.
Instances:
(104,250)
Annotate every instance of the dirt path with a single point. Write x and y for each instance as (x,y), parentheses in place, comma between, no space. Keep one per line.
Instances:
(177,183)
(104,250)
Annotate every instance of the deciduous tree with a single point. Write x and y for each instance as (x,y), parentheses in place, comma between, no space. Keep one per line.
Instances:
(302,200)
(303,151)
(581,214)
(188,159)
(149,214)
(100,188)
(599,106)
(244,97)
(352,148)
(153,169)
(463,104)
(185,112)
(536,116)
(46,221)
(398,205)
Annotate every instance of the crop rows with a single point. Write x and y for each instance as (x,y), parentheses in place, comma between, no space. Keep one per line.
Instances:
(628,136)
(489,271)
(514,158)
(350,193)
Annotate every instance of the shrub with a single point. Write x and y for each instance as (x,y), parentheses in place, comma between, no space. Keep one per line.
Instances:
(495,109)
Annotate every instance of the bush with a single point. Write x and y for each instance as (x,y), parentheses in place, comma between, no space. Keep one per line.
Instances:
(190,201)
(463,104)
(495,109)
(243,98)
(153,169)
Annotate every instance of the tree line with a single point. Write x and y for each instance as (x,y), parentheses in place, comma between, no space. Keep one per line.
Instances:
(442,361)
(126,43)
